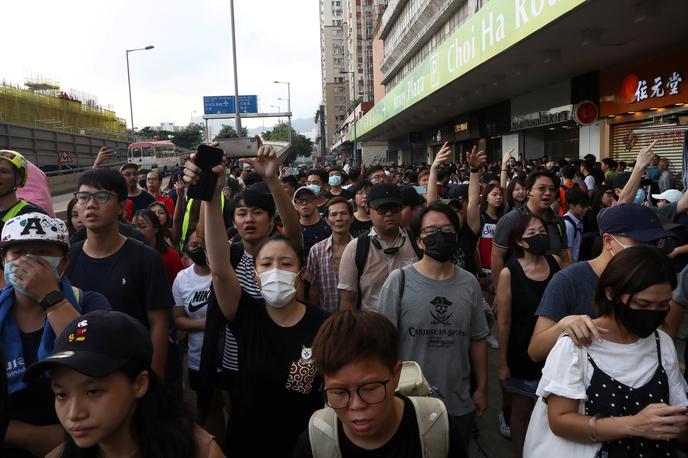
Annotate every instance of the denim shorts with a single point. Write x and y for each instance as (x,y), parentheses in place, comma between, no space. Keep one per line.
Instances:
(522,387)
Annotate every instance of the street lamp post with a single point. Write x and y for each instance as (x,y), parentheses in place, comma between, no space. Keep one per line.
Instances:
(278,110)
(288,106)
(236,80)
(131,107)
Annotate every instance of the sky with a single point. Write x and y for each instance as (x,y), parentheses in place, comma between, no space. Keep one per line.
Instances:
(82,43)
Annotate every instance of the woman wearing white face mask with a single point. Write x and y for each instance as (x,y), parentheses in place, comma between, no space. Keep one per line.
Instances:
(336,180)
(277,384)
(37,303)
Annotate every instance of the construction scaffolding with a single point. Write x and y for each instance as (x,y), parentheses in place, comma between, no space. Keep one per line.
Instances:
(42,104)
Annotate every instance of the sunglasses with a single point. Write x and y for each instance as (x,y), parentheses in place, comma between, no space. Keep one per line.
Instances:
(384,209)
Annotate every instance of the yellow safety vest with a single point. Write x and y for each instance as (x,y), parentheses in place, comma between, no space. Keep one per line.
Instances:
(14,211)
(187,217)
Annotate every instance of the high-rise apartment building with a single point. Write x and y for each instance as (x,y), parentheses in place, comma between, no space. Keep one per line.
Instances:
(333,66)
(359,22)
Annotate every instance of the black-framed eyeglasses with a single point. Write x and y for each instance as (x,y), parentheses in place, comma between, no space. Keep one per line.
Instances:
(384,209)
(370,393)
(100,197)
(543,189)
(429,230)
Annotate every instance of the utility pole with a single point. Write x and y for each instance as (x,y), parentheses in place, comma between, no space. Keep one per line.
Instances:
(236,80)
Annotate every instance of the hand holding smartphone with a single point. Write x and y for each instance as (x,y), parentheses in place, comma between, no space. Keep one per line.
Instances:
(207,157)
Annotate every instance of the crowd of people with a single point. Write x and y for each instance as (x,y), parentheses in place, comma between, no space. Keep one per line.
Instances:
(346,312)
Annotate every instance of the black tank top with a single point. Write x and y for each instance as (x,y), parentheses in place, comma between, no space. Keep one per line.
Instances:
(525,298)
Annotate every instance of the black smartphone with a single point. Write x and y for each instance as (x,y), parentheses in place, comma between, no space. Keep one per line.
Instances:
(207,157)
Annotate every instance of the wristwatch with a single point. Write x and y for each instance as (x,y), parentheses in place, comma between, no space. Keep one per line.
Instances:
(51,299)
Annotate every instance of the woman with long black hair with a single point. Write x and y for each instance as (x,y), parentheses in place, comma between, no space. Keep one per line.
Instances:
(108,399)
(149,225)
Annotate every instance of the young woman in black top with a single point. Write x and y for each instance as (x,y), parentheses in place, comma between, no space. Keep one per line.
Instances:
(521,285)
(276,388)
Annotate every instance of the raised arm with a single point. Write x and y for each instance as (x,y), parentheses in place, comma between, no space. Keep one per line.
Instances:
(475,160)
(266,164)
(503,175)
(179,210)
(442,156)
(628,192)
(103,155)
(225,283)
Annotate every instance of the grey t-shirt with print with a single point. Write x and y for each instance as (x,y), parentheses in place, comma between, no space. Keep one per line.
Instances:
(437,319)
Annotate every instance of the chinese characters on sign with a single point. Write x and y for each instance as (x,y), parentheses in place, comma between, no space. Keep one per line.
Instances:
(642,91)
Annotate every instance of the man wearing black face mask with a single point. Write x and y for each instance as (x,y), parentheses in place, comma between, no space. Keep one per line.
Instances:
(437,308)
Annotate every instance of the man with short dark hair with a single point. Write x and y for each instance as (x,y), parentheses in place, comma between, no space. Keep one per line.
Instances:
(322,270)
(577,202)
(356,352)
(317,182)
(140,199)
(313,227)
(388,247)
(542,187)
(130,274)
(438,310)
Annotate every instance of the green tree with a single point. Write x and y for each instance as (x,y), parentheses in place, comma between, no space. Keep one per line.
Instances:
(189,137)
(301,145)
(228,131)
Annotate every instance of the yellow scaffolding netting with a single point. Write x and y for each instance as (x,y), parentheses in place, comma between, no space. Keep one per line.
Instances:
(58,112)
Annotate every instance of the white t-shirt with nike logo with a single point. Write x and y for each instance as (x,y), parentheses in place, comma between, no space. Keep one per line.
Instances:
(191,291)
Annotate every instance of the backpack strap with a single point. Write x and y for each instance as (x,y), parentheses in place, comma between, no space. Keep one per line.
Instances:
(402,286)
(323,434)
(77,295)
(362,249)
(433,426)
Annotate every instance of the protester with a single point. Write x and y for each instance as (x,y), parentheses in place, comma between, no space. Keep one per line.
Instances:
(317,182)
(110,401)
(35,306)
(452,297)
(634,395)
(13,175)
(130,274)
(274,336)
(149,225)
(356,352)
(153,183)
(385,248)
(665,181)
(139,198)
(577,203)
(566,305)
(322,270)
(73,220)
(542,187)
(412,203)
(335,182)
(521,285)
(515,194)
(491,210)
(362,222)
(289,184)
(165,219)
(313,227)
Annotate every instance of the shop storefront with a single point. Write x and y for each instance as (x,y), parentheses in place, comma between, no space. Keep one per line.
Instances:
(544,121)
(644,101)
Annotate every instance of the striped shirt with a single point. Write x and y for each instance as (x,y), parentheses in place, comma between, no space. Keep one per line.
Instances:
(321,272)
(245,272)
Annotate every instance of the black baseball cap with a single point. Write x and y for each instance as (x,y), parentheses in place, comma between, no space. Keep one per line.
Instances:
(459,191)
(382,194)
(98,344)
(633,221)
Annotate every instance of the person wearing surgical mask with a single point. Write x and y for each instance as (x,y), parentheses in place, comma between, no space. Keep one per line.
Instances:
(567,303)
(318,182)
(336,181)
(634,394)
(274,335)
(35,305)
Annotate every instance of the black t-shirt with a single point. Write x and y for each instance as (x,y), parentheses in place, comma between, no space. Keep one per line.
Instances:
(404,444)
(359,227)
(313,233)
(345,194)
(464,255)
(277,387)
(525,298)
(126,230)
(134,279)
(142,201)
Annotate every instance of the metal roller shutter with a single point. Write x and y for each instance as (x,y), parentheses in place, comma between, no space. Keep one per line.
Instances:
(626,145)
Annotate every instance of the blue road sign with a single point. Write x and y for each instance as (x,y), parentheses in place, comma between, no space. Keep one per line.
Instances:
(224,104)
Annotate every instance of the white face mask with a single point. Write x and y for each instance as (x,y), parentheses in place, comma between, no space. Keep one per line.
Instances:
(277,286)
(624,246)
